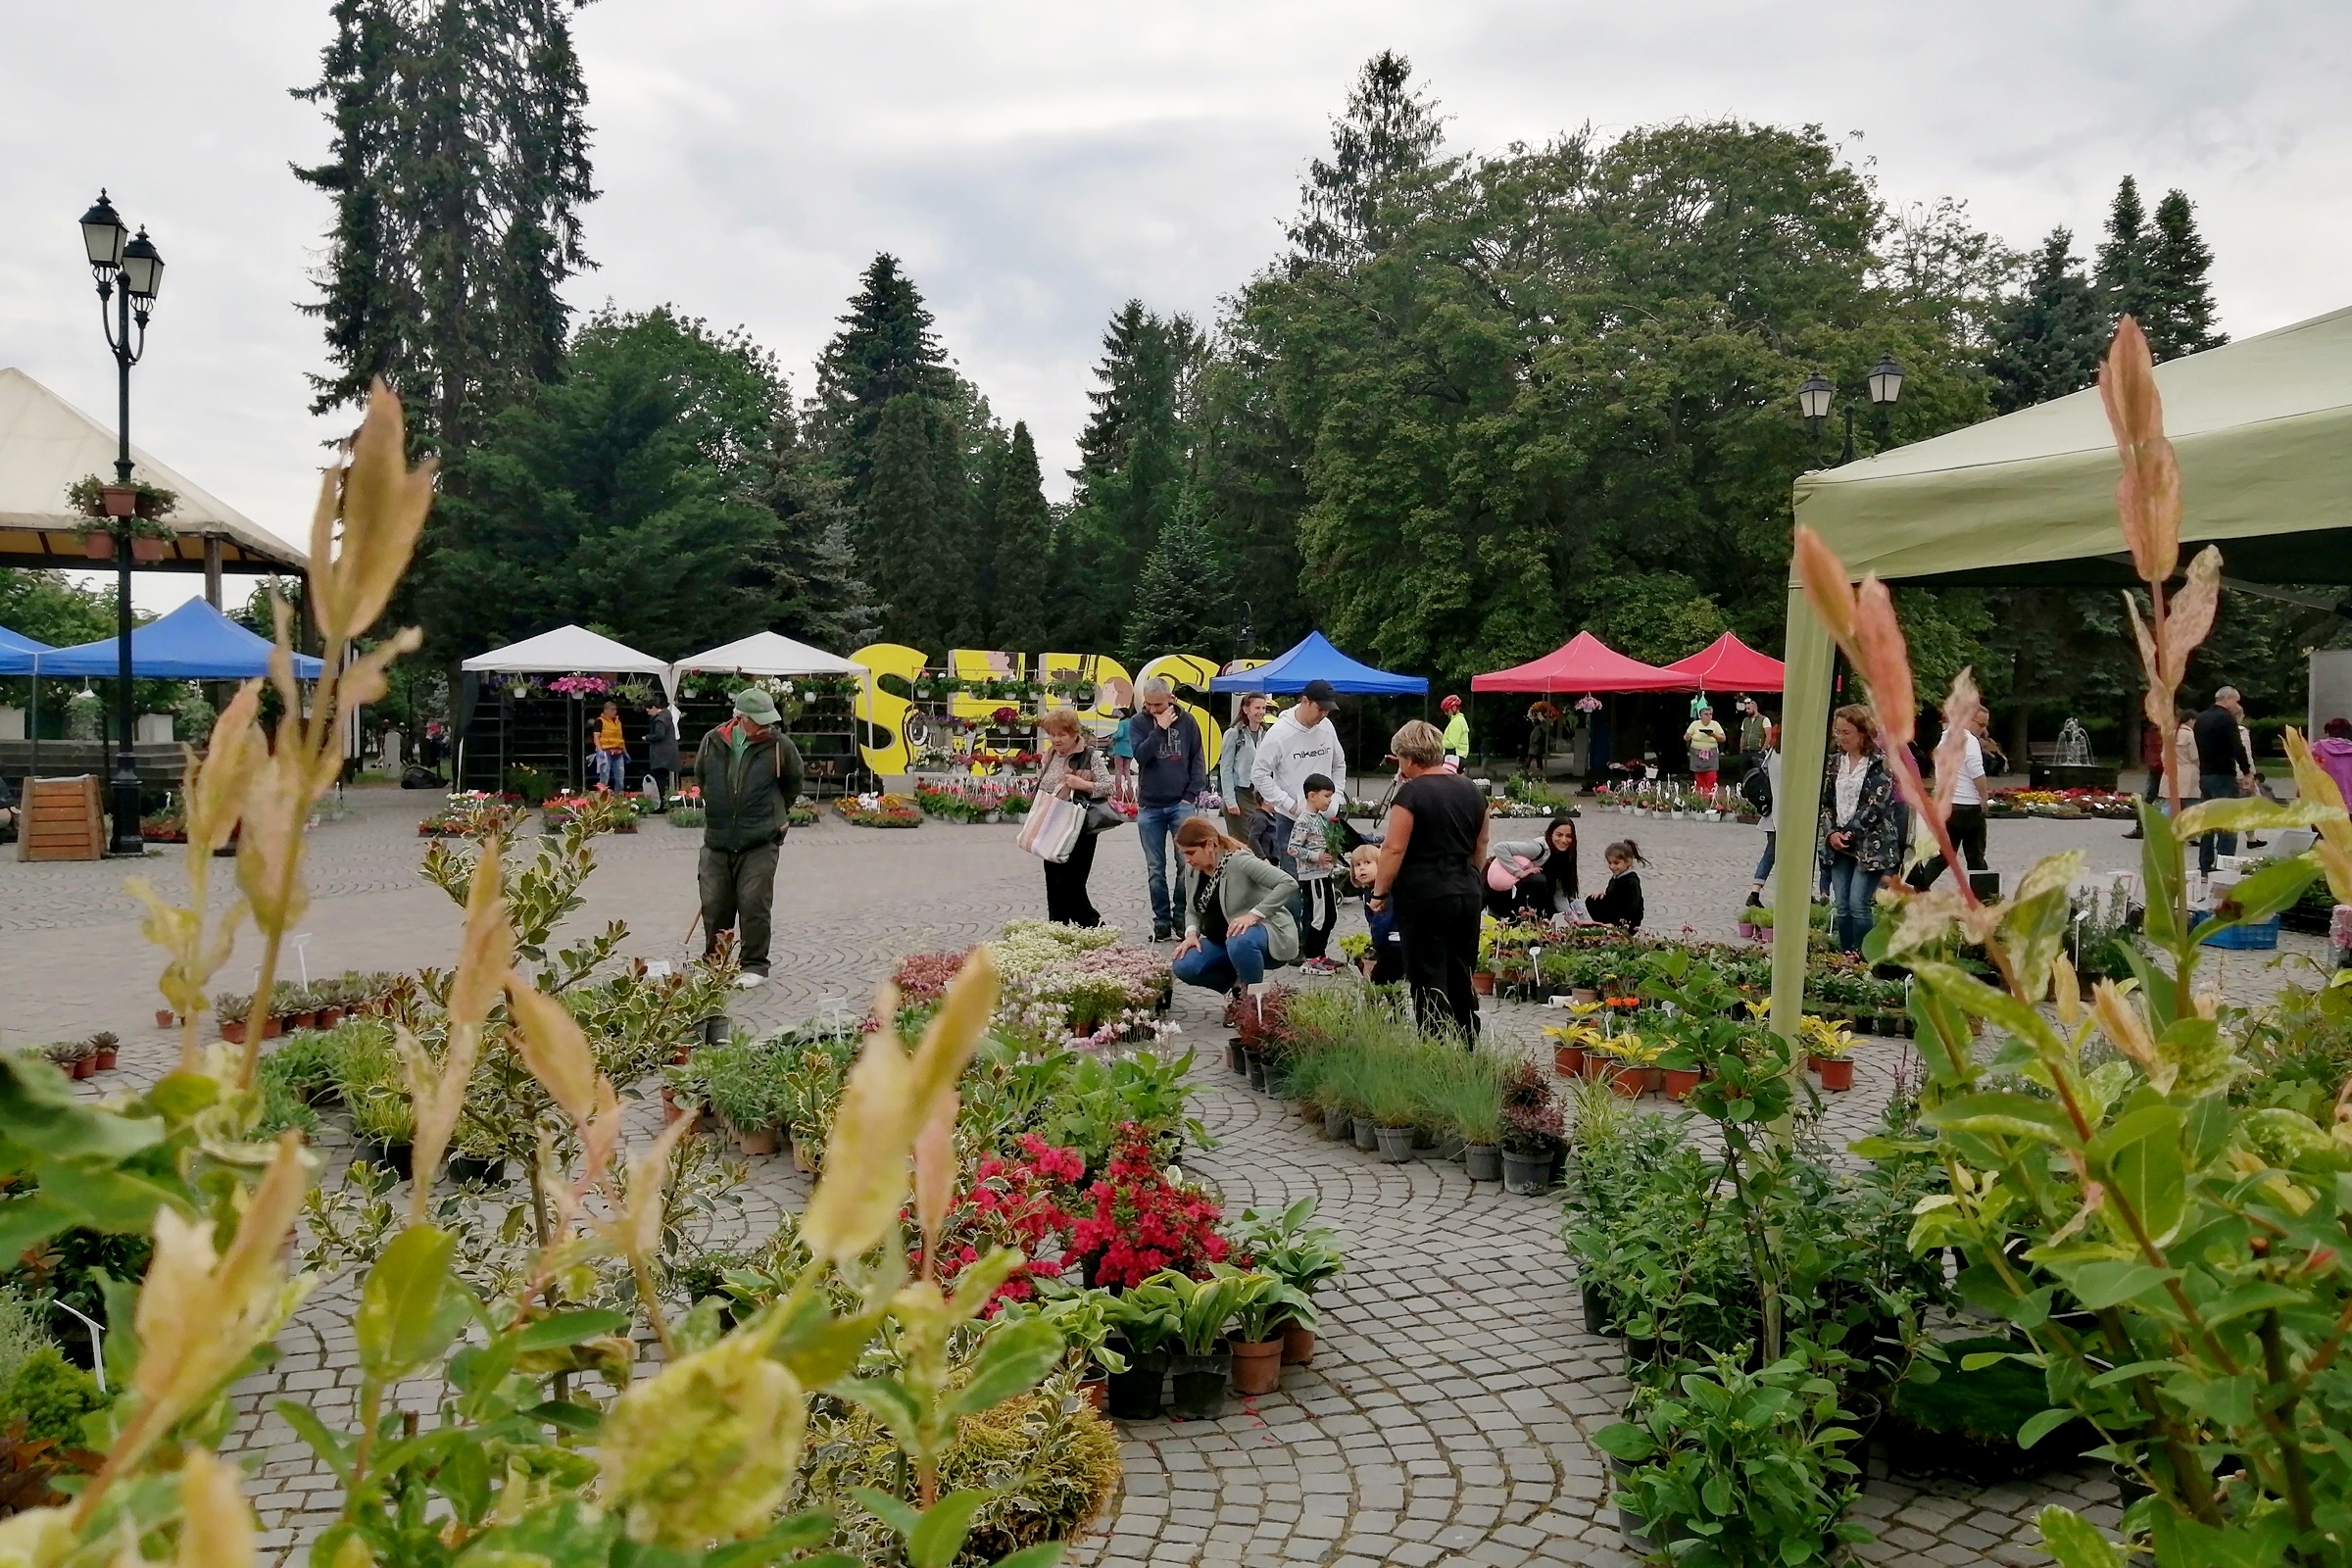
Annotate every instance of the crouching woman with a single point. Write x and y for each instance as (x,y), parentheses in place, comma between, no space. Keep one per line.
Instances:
(1237,911)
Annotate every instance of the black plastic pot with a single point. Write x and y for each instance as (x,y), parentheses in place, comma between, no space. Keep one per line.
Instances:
(1237,1055)
(1135,1394)
(1639,1352)
(1196,1385)
(1529,1175)
(1629,1528)
(1396,1143)
(1257,1072)
(485,1172)
(1599,1316)
(1483,1161)
(1338,1125)
(1367,1136)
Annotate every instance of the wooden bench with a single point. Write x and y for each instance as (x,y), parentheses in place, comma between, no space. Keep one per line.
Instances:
(62,820)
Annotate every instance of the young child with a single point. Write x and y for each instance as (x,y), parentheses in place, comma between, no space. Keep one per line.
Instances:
(1620,902)
(1310,851)
(1387,964)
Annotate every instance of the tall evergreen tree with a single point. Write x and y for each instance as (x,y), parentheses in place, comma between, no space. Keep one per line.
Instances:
(885,349)
(2180,307)
(2048,338)
(916,526)
(1022,538)
(819,596)
(2123,275)
(1179,604)
(1383,155)
(1134,458)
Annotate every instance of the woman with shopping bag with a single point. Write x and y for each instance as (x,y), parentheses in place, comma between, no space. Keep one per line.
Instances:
(1072,779)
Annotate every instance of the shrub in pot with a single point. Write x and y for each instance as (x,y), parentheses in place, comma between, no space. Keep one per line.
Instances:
(1828,1047)
(1142,1320)
(1203,1362)
(1259,1323)
(1303,1257)
(1083,1317)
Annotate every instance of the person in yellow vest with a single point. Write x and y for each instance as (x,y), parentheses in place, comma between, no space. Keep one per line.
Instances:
(611,750)
(1458,733)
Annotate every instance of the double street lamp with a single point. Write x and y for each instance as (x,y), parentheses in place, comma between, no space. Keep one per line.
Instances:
(1886,383)
(128,272)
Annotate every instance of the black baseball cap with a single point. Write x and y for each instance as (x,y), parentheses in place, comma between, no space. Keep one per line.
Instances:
(1319,692)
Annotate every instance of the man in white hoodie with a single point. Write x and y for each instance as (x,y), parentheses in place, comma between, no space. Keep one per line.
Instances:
(1302,742)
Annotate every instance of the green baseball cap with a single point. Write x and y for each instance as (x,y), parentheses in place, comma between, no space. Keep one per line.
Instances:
(757,705)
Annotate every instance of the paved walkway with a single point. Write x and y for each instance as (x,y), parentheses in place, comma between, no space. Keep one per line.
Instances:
(1445,1416)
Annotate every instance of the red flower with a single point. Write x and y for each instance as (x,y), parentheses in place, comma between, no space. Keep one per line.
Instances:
(1142,1222)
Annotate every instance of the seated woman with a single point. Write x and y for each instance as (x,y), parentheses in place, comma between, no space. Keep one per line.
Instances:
(1538,874)
(1237,911)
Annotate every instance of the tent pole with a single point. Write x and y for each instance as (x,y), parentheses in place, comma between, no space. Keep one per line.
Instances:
(1805,742)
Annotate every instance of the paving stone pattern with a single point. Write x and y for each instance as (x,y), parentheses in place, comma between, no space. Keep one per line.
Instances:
(1446,1415)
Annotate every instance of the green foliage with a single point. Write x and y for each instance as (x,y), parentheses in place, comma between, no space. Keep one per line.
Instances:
(1098,1096)
(50,1394)
(1967,1405)
(1021,528)
(2048,336)
(21,1331)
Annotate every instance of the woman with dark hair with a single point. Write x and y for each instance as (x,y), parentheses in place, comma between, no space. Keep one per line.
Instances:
(1535,876)
(1236,911)
(1428,867)
(1860,826)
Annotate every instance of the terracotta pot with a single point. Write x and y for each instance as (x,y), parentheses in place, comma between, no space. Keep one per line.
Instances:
(1836,1076)
(306,1020)
(149,548)
(106,1059)
(1584,994)
(762,1142)
(669,1109)
(1094,1390)
(98,546)
(118,501)
(1596,1064)
(1680,1083)
(164,1017)
(273,1028)
(232,1030)
(1627,1080)
(329,1018)
(1256,1365)
(1568,1060)
(1298,1345)
(1483,983)
(87,1067)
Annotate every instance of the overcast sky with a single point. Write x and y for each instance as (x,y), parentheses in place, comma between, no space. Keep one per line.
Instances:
(1036,165)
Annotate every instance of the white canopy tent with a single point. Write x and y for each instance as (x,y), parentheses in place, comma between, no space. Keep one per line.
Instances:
(766,652)
(568,651)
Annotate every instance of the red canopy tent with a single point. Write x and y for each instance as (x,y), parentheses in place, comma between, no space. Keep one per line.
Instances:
(1582,663)
(1728,665)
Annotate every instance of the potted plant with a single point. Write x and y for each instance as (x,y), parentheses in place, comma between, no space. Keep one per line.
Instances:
(1143,1318)
(1477,1108)
(1303,1257)
(231,1009)
(746,1091)
(103,1046)
(1627,1063)
(1203,1364)
(1258,1323)
(1083,1317)
(1390,1091)
(1828,1047)
(1571,1042)
(1532,1133)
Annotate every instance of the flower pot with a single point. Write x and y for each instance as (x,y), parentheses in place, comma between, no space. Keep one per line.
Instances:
(1568,1060)
(329,1018)
(1626,1079)
(1680,1081)
(485,1172)
(1135,1394)
(762,1140)
(105,1059)
(1256,1365)
(1237,1055)
(149,548)
(1836,1076)
(273,1028)
(232,1030)
(1298,1345)
(1196,1385)
(1639,1353)
(1628,1529)
(1584,994)
(1527,1175)
(1338,1125)
(1483,1161)
(85,1067)
(1599,1319)
(1094,1390)
(165,1018)
(1257,1072)
(1366,1134)
(1483,983)
(96,546)
(1396,1143)
(396,1158)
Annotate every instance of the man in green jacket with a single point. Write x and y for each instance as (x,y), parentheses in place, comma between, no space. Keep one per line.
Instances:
(750,774)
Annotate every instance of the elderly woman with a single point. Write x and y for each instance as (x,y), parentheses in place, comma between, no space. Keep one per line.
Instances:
(1236,911)
(1860,826)
(1073,772)
(1429,874)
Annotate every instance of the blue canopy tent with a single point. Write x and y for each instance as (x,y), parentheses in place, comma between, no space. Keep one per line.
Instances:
(1314,659)
(15,653)
(194,641)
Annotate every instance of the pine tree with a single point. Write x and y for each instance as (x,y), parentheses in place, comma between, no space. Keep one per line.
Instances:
(1179,601)
(820,599)
(949,568)
(2048,338)
(885,349)
(2180,307)
(1021,528)
(913,531)
(1134,458)
(2124,256)
(1383,154)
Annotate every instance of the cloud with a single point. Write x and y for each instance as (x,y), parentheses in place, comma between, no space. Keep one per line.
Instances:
(1036,165)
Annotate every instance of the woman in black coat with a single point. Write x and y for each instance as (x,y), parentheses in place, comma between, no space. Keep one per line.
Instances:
(661,750)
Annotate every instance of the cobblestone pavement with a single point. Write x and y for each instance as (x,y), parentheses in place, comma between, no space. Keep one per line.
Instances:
(1446,1413)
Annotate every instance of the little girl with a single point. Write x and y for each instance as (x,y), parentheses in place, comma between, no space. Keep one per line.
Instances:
(1388,944)
(1620,902)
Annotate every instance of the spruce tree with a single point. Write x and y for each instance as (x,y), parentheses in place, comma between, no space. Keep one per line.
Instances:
(899,518)
(1021,526)
(885,349)
(2048,338)
(951,557)
(1134,458)
(2180,307)
(1179,601)
(1384,151)
(820,599)
(2124,256)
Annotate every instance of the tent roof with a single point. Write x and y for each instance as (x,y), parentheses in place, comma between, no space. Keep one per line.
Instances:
(1582,663)
(194,641)
(46,444)
(17,650)
(2262,430)
(766,652)
(568,651)
(1728,665)
(1315,659)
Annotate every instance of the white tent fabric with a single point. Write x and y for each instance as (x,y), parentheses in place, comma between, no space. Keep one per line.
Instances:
(570,650)
(46,444)
(766,652)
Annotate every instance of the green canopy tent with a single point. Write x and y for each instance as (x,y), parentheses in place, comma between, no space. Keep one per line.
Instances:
(2263,431)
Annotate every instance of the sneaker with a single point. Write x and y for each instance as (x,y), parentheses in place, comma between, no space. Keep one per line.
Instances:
(1321,967)
(747,980)
(2135,833)
(1161,933)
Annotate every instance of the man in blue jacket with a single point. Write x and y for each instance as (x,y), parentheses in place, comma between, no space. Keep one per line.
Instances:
(1171,774)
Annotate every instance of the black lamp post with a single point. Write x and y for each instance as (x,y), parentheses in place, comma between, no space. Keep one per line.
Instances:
(140,273)
(1813,399)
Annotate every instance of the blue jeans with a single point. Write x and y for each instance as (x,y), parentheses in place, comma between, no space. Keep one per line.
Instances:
(2216,787)
(1851,889)
(1157,824)
(1772,847)
(1220,967)
(611,769)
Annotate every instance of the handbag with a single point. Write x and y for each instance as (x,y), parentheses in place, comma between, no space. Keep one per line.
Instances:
(1102,818)
(1051,829)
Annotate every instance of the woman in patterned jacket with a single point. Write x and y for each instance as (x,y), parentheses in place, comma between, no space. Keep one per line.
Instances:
(1861,826)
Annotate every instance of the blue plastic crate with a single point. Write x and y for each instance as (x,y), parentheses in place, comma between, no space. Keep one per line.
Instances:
(2261,936)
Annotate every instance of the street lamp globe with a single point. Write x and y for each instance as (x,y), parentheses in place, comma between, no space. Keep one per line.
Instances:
(102,234)
(143,268)
(1813,397)
(1886,380)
